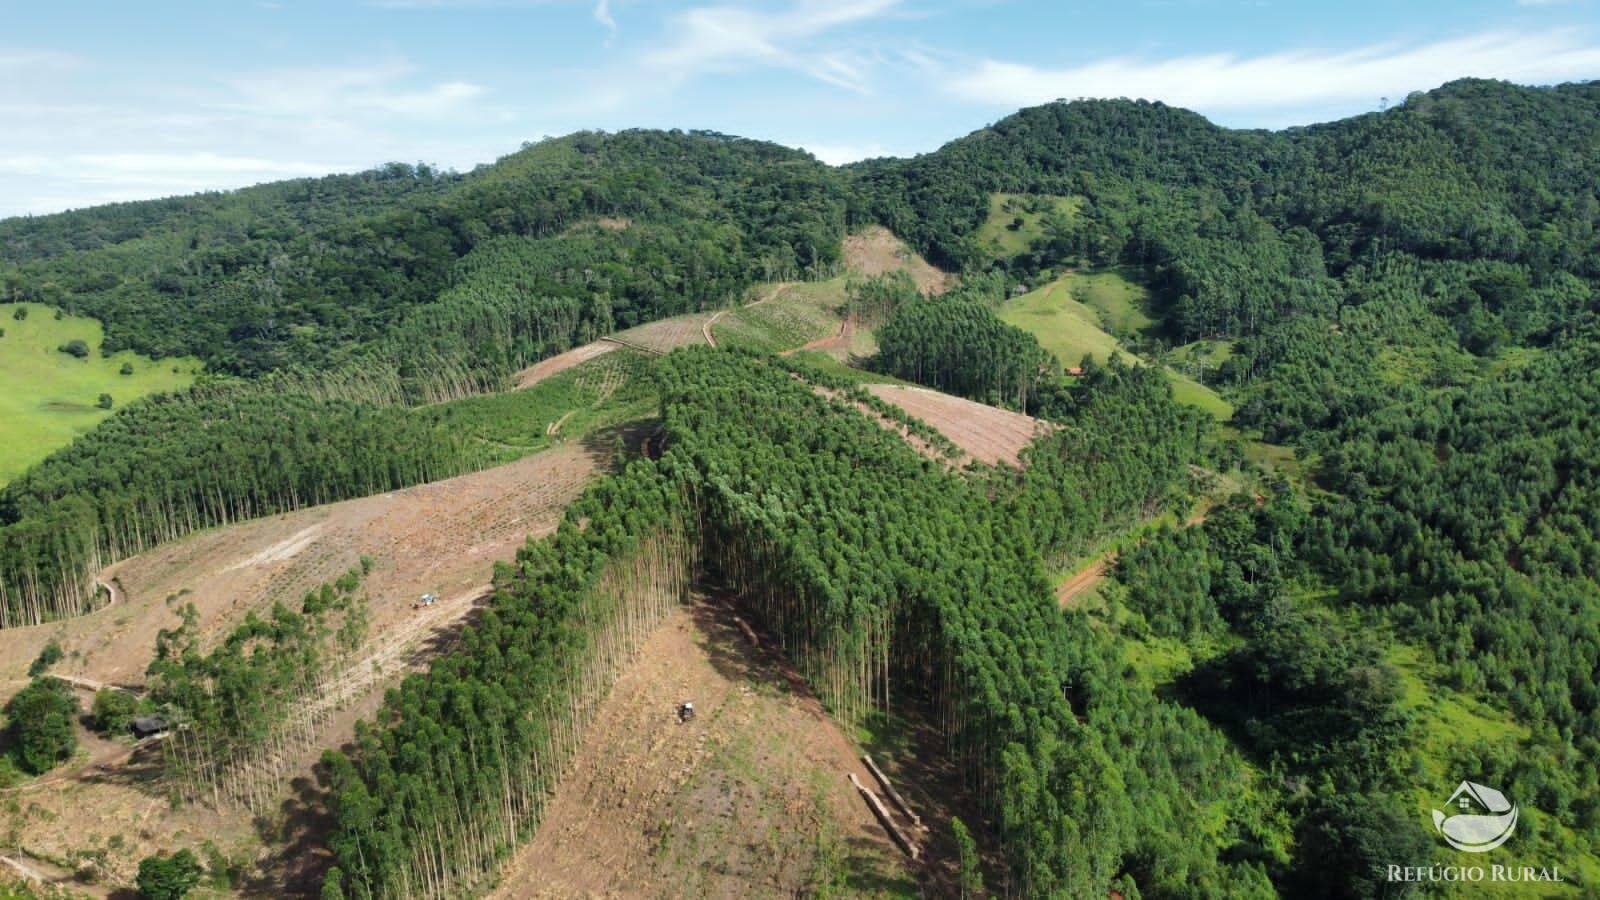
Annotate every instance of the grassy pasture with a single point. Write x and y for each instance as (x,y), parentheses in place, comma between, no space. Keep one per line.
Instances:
(1068,315)
(1003,236)
(48,398)
(1064,326)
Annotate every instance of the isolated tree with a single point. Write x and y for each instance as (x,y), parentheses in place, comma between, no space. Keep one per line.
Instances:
(168,877)
(49,656)
(113,709)
(40,733)
(77,347)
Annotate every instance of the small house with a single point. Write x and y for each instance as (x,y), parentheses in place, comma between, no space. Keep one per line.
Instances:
(148,726)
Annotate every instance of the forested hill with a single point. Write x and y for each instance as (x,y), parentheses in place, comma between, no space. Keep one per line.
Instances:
(300,273)
(1480,167)
(1237,228)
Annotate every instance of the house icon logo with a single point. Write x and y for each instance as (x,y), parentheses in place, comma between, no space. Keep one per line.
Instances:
(1479,818)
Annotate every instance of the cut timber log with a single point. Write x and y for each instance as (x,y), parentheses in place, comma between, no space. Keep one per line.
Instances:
(894,795)
(748,632)
(906,844)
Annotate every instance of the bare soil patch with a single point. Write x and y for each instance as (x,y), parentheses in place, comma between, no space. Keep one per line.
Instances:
(666,335)
(875,250)
(440,538)
(561,362)
(111,802)
(751,798)
(989,434)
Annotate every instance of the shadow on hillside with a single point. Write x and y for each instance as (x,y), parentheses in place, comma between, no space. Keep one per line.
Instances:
(446,637)
(906,746)
(300,832)
(609,448)
(143,770)
(717,614)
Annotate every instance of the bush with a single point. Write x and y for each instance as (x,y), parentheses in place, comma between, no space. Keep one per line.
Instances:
(49,656)
(168,877)
(127,369)
(104,402)
(77,347)
(40,733)
(20,313)
(113,710)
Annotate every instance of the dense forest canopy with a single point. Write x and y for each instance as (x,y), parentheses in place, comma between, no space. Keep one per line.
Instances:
(1407,299)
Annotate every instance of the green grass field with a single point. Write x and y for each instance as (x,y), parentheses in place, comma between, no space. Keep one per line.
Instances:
(998,237)
(1119,303)
(1067,316)
(48,398)
(1063,325)
(1454,725)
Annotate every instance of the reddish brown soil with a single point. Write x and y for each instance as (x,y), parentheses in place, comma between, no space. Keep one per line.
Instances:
(875,250)
(1085,580)
(839,345)
(561,362)
(735,803)
(990,435)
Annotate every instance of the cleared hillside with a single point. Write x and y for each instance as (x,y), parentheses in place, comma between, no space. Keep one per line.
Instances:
(749,798)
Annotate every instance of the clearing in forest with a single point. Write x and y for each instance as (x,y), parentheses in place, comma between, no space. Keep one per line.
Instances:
(875,250)
(1070,317)
(788,316)
(440,538)
(665,335)
(48,397)
(750,798)
(990,435)
(1016,221)
(561,362)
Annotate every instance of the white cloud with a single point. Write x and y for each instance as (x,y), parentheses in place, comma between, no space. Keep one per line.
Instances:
(13,61)
(839,154)
(1290,80)
(43,184)
(346,90)
(726,39)
(602,14)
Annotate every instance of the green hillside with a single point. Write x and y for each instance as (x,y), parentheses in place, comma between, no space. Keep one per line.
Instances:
(1018,221)
(49,397)
(1399,311)
(1063,325)
(1069,317)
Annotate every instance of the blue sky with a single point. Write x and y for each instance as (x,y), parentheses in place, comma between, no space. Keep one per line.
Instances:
(115,100)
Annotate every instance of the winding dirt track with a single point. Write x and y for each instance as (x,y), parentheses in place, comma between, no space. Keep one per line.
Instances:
(441,538)
(561,362)
(1085,580)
